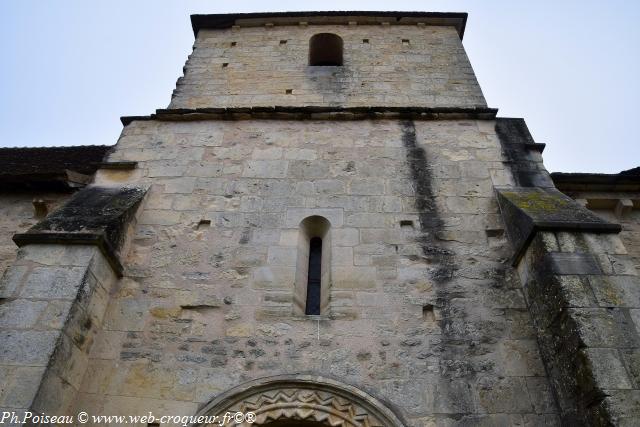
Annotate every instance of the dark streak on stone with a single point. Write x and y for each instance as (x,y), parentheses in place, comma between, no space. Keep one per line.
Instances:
(517,144)
(456,343)
(430,223)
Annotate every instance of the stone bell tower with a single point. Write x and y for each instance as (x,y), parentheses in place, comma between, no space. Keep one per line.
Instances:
(328,226)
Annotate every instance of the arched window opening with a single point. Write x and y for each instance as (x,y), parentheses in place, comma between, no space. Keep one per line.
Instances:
(325,49)
(313,267)
(314,276)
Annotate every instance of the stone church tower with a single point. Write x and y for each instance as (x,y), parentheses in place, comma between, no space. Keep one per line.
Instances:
(326,227)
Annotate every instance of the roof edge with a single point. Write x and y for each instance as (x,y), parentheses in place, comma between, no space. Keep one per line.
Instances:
(581,181)
(228,20)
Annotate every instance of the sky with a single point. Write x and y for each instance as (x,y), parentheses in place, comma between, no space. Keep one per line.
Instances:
(71,68)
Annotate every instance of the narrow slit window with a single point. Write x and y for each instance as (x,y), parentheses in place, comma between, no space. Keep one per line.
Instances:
(325,49)
(312,289)
(314,276)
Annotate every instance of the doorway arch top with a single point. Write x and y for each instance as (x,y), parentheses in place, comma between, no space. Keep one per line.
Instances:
(304,398)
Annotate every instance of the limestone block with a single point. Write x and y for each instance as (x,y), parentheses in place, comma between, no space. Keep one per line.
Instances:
(12,280)
(381,235)
(53,282)
(159,217)
(300,154)
(126,314)
(346,237)
(71,362)
(270,153)
(165,169)
(520,358)
(285,256)
(289,237)
(20,313)
(392,204)
(342,256)
(366,187)
(353,277)
(454,396)
(370,220)
(503,395)
(30,348)
(55,255)
(306,169)
(273,277)
(635,316)
(605,243)
(107,345)
(329,186)
(607,368)
(55,315)
(600,327)
(541,395)
(20,388)
(617,264)
(178,185)
(265,169)
(202,169)
(616,291)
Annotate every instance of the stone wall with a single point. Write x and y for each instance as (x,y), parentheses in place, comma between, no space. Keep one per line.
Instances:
(630,234)
(425,311)
(397,66)
(17,214)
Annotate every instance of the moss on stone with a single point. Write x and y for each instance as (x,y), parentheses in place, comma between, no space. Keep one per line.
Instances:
(537,201)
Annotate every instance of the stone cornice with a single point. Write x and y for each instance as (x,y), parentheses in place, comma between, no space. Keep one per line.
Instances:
(458,20)
(318,113)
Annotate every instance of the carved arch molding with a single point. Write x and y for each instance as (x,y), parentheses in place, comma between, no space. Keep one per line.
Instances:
(302,398)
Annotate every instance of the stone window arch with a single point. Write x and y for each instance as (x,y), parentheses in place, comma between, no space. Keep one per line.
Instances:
(313,267)
(325,49)
(302,400)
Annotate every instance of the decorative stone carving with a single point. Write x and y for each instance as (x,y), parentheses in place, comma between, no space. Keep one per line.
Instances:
(303,398)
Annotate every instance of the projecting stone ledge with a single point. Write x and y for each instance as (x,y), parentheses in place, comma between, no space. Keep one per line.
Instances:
(527,210)
(95,215)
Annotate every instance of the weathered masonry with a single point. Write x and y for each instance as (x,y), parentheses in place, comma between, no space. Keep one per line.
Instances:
(327,226)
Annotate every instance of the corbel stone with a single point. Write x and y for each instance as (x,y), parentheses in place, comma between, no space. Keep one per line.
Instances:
(623,208)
